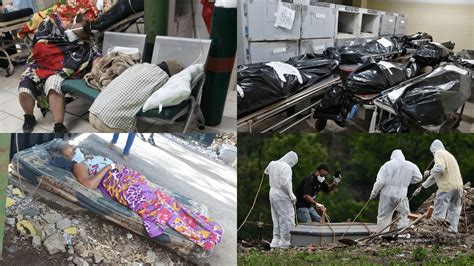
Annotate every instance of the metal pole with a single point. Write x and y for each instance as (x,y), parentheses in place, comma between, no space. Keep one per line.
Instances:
(156,23)
(4,156)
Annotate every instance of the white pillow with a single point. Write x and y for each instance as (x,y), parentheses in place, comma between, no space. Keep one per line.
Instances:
(175,91)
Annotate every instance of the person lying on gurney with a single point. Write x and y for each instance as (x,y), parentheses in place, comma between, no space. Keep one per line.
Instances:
(62,48)
(131,189)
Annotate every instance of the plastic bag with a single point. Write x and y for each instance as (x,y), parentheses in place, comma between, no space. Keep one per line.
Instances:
(408,40)
(361,53)
(261,85)
(176,89)
(431,55)
(121,10)
(334,105)
(375,77)
(430,101)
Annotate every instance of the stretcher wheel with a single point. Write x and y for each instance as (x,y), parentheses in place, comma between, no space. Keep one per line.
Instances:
(320,124)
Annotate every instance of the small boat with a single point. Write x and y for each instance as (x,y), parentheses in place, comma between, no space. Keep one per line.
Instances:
(33,166)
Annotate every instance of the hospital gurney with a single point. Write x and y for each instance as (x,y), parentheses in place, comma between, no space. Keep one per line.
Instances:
(385,110)
(9,24)
(121,25)
(184,50)
(247,123)
(123,15)
(341,105)
(32,165)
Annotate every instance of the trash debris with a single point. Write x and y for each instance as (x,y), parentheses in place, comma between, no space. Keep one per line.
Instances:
(71,231)
(10,202)
(26,227)
(17,192)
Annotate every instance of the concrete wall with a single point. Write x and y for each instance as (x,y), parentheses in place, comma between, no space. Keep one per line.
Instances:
(182,24)
(445,20)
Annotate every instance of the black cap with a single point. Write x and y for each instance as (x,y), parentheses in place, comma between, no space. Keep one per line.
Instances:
(323,167)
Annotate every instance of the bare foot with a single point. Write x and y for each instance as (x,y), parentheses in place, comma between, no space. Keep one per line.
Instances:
(111,145)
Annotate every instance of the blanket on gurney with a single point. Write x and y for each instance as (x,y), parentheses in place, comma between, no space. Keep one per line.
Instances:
(33,165)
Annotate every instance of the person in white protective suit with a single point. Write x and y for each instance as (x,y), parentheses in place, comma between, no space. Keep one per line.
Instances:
(392,182)
(282,198)
(447,176)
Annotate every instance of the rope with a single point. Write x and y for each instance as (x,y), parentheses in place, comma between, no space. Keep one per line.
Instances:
(253,204)
(330,227)
(361,210)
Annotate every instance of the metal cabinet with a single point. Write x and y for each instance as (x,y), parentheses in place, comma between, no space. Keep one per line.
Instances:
(387,24)
(347,42)
(315,46)
(259,19)
(271,51)
(318,21)
(400,25)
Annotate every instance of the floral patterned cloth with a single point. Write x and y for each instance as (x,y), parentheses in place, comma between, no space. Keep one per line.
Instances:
(66,10)
(53,54)
(157,209)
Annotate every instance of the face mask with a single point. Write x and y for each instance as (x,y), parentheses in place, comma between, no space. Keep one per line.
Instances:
(321,179)
(71,36)
(78,156)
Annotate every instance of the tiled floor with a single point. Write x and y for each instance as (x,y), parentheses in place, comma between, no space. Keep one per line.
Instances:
(77,115)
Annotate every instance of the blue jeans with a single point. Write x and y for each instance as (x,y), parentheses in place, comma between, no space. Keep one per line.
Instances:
(128,145)
(306,215)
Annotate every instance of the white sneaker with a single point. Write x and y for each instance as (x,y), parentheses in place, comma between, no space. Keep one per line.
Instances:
(451,230)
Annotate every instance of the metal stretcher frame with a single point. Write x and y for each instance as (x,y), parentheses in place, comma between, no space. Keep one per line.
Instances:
(123,25)
(264,114)
(383,56)
(11,27)
(381,105)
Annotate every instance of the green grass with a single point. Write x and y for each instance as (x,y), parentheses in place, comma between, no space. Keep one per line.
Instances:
(419,255)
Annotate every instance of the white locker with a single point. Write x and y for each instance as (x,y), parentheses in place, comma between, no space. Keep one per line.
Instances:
(271,51)
(347,42)
(387,24)
(318,21)
(400,26)
(259,18)
(315,46)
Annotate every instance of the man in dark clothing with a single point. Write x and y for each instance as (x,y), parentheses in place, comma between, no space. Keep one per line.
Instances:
(308,190)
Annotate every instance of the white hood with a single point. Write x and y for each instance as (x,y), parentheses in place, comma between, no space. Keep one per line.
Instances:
(437,145)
